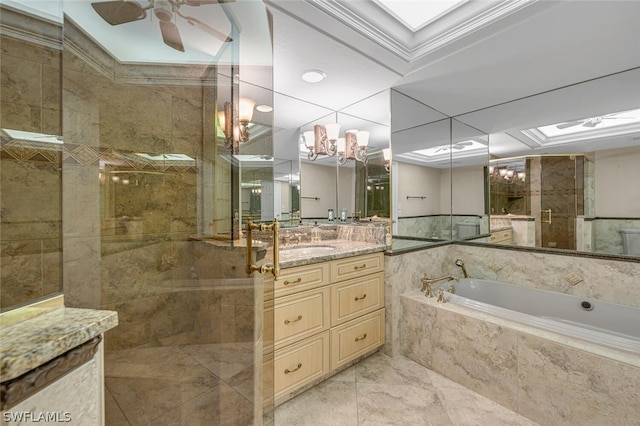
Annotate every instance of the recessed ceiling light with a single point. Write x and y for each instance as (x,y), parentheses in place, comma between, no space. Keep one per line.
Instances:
(264,108)
(313,76)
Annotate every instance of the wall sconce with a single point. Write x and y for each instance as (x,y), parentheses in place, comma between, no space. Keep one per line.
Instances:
(386,153)
(354,146)
(322,140)
(235,122)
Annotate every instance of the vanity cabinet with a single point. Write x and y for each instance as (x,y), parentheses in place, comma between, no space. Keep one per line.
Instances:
(504,236)
(325,315)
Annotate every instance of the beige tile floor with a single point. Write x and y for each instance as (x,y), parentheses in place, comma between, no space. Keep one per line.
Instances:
(392,391)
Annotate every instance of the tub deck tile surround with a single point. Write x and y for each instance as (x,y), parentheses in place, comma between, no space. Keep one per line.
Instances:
(548,378)
(589,385)
(28,344)
(488,368)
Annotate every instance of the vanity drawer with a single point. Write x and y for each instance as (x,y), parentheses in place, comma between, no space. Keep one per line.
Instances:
(502,237)
(356,338)
(357,266)
(301,315)
(356,297)
(300,363)
(300,278)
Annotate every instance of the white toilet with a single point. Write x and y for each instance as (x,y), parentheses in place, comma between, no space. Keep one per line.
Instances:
(631,241)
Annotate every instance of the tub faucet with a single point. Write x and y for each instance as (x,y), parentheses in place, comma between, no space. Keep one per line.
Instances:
(460,263)
(427,282)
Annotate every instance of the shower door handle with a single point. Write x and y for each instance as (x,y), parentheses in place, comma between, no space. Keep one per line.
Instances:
(548,213)
(264,269)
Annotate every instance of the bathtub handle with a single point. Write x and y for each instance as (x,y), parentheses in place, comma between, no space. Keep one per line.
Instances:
(360,298)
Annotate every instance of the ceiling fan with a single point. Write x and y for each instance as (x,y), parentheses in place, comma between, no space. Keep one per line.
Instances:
(124,11)
(589,122)
(456,146)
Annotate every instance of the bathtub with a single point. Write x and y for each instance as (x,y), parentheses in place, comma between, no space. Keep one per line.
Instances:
(608,324)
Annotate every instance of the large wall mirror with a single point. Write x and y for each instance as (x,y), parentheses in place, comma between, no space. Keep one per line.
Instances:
(564,167)
(438,176)
(349,185)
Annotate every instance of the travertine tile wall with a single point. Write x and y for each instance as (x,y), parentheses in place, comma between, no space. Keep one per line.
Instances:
(30,173)
(128,247)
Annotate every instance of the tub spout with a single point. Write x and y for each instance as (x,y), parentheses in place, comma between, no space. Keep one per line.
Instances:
(460,263)
(427,284)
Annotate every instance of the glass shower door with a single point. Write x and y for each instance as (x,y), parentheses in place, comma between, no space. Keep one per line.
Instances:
(559,202)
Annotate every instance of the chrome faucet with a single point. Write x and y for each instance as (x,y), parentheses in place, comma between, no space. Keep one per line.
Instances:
(427,282)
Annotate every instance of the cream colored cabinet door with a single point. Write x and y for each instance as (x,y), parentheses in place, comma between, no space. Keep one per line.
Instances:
(301,315)
(301,278)
(301,363)
(357,266)
(353,298)
(356,338)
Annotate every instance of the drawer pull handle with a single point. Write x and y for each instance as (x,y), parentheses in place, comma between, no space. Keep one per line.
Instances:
(360,298)
(287,371)
(293,320)
(299,280)
(364,336)
(364,265)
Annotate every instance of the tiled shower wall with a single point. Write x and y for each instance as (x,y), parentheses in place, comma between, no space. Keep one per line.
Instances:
(30,172)
(129,246)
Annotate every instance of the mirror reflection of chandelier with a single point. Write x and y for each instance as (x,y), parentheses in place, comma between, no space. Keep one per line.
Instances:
(505,174)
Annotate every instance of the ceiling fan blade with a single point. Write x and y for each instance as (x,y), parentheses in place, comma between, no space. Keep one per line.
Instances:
(201,2)
(206,28)
(119,12)
(171,35)
(569,124)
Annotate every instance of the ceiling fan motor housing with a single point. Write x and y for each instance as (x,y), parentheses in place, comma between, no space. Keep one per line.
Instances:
(163,10)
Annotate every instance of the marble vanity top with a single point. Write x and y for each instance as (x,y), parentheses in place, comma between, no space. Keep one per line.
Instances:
(30,343)
(342,249)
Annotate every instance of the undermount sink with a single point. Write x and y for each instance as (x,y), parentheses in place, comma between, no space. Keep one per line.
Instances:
(309,250)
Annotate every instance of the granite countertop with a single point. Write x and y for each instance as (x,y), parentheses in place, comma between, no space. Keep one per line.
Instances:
(30,343)
(343,248)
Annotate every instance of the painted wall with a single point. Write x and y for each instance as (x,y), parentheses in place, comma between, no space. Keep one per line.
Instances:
(419,181)
(467,190)
(616,182)
(319,180)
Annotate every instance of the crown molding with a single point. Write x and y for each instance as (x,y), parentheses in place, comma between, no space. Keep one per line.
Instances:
(386,31)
